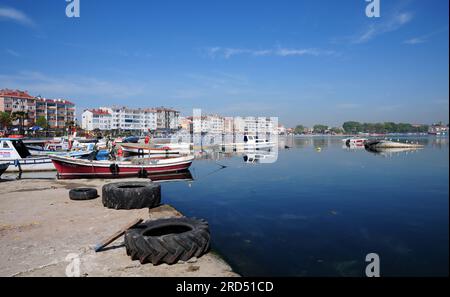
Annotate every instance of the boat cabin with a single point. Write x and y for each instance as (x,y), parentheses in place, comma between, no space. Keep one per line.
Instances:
(13,149)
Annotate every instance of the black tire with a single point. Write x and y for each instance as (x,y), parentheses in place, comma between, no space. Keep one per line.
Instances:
(168,240)
(83,193)
(131,195)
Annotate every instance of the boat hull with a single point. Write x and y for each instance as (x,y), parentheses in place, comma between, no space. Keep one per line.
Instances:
(30,165)
(73,168)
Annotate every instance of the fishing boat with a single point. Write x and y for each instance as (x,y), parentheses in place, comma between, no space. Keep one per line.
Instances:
(14,152)
(128,139)
(76,168)
(3,167)
(354,141)
(142,149)
(48,149)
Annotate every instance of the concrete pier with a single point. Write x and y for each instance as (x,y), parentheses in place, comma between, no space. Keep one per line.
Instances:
(41,230)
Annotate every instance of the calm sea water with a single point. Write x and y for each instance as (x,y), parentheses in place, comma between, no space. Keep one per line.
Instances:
(320,213)
(317,213)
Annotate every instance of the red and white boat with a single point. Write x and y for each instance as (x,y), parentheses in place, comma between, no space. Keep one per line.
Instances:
(68,167)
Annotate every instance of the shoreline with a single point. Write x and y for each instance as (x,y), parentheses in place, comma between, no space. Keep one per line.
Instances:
(41,229)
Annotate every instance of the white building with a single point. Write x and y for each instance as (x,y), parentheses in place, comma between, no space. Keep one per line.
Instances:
(255,125)
(166,118)
(119,118)
(143,120)
(240,125)
(96,119)
(208,124)
(228,125)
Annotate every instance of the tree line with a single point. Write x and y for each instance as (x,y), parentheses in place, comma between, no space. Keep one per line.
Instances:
(352,127)
(387,127)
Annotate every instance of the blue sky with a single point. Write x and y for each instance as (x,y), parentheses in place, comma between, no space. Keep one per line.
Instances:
(305,61)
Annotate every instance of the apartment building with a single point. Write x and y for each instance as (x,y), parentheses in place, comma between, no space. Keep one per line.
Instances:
(131,119)
(255,125)
(92,119)
(57,112)
(167,119)
(185,123)
(18,101)
(208,124)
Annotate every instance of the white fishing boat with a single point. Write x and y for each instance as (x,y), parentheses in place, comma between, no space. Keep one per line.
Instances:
(355,141)
(48,148)
(15,153)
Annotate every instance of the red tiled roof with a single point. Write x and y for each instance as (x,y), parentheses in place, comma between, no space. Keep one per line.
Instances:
(62,101)
(99,112)
(15,93)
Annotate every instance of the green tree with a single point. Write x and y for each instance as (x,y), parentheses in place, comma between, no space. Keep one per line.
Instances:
(42,122)
(352,127)
(319,128)
(336,130)
(299,129)
(20,116)
(5,120)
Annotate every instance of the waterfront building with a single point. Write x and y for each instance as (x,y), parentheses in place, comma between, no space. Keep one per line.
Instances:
(92,119)
(133,119)
(167,119)
(281,130)
(256,125)
(228,125)
(208,124)
(438,129)
(18,101)
(185,123)
(57,112)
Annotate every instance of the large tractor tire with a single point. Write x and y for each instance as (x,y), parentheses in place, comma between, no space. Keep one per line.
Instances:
(168,240)
(131,195)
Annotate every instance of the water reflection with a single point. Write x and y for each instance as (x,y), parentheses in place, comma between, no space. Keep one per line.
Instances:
(250,155)
(323,211)
(392,152)
(185,176)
